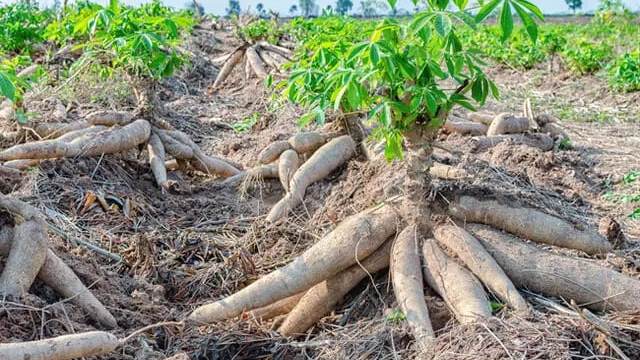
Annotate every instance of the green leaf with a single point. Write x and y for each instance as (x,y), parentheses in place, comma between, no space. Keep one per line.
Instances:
(392,3)
(461,4)
(532,8)
(462,101)
(443,24)
(420,21)
(357,50)
(506,20)
(494,90)
(527,20)
(432,106)
(353,96)
(21,117)
(386,118)
(393,150)
(487,9)
(374,54)
(479,90)
(339,95)
(172,27)
(406,68)
(7,88)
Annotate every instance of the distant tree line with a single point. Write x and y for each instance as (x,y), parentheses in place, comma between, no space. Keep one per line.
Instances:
(307,8)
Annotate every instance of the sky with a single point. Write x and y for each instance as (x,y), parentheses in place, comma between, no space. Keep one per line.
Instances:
(217,7)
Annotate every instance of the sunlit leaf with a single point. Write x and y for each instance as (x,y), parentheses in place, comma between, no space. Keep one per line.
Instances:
(529,24)
(443,24)
(487,9)
(7,88)
(506,20)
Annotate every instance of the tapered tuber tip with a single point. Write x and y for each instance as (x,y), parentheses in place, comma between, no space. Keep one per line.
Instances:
(108,321)
(205,314)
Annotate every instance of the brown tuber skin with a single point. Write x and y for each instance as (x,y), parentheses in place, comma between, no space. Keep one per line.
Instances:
(64,281)
(272,152)
(482,117)
(53,271)
(228,66)
(541,271)
(353,240)
(156,160)
(106,142)
(406,276)
(447,172)
(278,308)
(529,224)
(464,127)
(306,142)
(321,299)
(462,292)
(543,142)
(54,130)
(260,172)
(320,164)
(66,347)
(508,124)
(287,166)
(257,65)
(26,246)
(109,118)
(477,259)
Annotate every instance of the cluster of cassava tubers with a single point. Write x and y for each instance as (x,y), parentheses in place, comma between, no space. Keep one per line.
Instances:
(258,58)
(24,244)
(109,132)
(285,160)
(483,235)
(487,129)
(477,250)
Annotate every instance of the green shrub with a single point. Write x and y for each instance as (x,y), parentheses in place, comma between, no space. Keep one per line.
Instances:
(624,72)
(583,57)
(21,26)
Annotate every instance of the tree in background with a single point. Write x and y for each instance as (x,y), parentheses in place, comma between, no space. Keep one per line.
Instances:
(371,8)
(293,9)
(234,8)
(344,6)
(307,7)
(196,7)
(261,10)
(574,5)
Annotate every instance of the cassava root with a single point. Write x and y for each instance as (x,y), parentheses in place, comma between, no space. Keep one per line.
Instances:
(321,299)
(21,266)
(589,284)
(406,276)
(477,259)
(529,224)
(353,240)
(324,161)
(64,347)
(462,292)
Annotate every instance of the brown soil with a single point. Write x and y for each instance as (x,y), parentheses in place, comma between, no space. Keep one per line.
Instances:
(208,240)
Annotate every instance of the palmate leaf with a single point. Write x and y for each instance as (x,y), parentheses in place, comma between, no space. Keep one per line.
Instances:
(7,88)
(529,23)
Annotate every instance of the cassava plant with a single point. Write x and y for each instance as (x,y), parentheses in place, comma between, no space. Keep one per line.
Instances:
(259,51)
(404,82)
(144,42)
